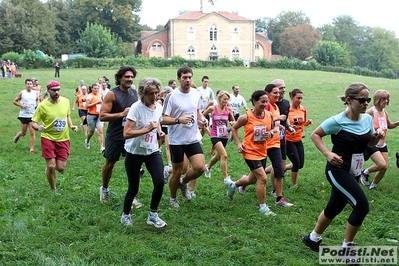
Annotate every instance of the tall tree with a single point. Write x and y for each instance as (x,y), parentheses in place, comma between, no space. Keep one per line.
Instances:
(98,41)
(379,50)
(117,15)
(298,41)
(275,26)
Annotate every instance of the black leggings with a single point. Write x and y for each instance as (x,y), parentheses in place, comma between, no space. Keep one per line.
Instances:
(346,189)
(296,154)
(154,165)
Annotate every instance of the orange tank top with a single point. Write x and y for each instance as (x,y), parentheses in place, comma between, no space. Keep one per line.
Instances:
(82,101)
(275,141)
(255,143)
(95,109)
(297,118)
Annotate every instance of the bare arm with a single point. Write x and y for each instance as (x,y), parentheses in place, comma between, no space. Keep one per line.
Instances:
(17,101)
(106,107)
(316,137)
(242,121)
(130,132)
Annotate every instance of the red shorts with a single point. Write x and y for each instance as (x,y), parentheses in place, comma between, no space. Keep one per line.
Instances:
(58,150)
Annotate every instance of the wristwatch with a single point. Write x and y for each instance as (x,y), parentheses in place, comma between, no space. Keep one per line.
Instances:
(177,120)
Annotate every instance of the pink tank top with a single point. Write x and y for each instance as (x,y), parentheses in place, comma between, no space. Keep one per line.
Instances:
(219,123)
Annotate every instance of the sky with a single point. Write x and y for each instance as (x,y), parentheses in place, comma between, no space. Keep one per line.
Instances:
(382,13)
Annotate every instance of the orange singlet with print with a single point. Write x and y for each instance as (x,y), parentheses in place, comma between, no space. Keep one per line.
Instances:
(254,142)
(82,101)
(297,118)
(275,141)
(95,109)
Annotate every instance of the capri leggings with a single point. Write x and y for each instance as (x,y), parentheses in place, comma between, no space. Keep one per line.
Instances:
(154,165)
(346,189)
(296,154)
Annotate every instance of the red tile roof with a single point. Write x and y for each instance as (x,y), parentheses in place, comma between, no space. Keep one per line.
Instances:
(195,15)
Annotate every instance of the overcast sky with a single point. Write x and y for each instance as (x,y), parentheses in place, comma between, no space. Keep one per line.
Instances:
(382,13)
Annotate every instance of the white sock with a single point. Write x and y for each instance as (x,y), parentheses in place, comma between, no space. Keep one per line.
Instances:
(373,185)
(345,244)
(233,185)
(315,236)
(366,171)
(262,206)
(181,181)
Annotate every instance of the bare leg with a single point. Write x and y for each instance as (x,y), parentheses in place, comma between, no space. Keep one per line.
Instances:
(107,172)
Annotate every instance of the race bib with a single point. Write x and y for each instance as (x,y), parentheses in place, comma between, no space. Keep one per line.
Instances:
(60,124)
(221,131)
(84,104)
(259,133)
(192,122)
(149,141)
(276,126)
(356,164)
(98,108)
(123,121)
(31,108)
(282,133)
(383,123)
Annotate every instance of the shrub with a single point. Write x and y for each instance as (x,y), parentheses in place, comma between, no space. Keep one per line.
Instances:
(13,57)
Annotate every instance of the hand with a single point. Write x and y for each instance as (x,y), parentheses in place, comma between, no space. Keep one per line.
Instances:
(126,111)
(269,135)
(41,128)
(24,106)
(74,128)
(283,117)
(334,159)
(240,148)
(161,134)
(153,125)
(186,119)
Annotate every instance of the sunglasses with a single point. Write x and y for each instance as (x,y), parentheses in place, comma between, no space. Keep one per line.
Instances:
(362,100)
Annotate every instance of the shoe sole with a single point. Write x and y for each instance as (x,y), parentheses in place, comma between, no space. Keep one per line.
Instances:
(153,224)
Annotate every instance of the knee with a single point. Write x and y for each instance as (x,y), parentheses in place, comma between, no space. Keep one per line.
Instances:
(262,180)
(223,157)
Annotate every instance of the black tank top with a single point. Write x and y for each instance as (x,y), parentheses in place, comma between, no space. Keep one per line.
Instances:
(122,101)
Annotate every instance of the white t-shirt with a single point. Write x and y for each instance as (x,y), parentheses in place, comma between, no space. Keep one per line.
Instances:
(236,102)
(206,96)
(103,92)
(178,104)
(28,98)
(142,115)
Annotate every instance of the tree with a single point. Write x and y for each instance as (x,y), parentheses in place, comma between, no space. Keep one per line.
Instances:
(298,41)
(277,25)
(117,15)
(379,50)
(329,53)
(98,41)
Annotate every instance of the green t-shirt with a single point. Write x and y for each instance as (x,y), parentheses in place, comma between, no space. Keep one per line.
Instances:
(54,119)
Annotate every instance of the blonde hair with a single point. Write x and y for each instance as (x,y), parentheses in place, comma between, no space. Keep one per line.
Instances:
(220,94)
(379,96)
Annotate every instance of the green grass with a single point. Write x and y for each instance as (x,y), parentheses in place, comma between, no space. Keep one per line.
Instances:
(40,228)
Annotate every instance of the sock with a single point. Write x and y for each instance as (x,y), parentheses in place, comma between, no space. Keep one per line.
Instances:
(278,198)
(262,206)
(152,213)
(233,185)
(315,236)
(366,171)
(345,244)
(373,185)
(105,189)
(181,181)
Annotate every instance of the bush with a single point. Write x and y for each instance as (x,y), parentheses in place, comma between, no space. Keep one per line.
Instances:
(13,57)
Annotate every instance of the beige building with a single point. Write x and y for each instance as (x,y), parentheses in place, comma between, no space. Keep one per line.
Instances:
(208,34)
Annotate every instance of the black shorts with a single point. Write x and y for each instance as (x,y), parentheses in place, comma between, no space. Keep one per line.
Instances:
(25,120)
(216,140)
(165,130)
(177,151)
(114,149)
(370,151)
(283,149)
(82,112)
(255,164)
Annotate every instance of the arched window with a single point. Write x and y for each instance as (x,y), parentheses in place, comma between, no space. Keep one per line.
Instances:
(191,54)
(235,53)
(213,53)
(213,33)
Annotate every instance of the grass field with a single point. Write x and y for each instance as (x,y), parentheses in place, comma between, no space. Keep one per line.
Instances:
(40,228)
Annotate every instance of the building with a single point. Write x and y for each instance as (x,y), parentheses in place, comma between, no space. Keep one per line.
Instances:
(208,34)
